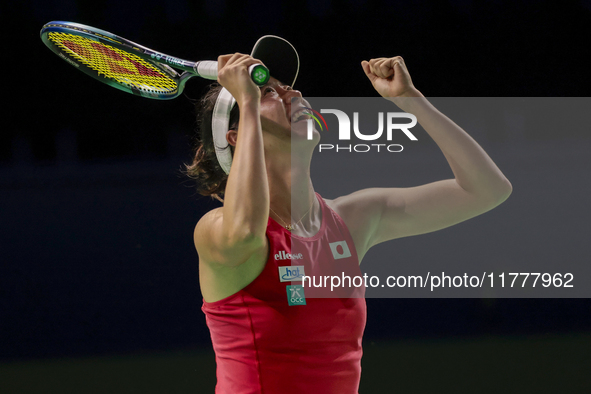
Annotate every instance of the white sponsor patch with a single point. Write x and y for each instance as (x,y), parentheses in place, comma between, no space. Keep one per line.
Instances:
(291,273)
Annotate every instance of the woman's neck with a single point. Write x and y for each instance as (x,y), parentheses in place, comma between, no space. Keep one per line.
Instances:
(292,196)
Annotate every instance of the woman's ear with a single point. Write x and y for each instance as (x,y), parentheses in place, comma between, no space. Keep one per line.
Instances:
(231,137)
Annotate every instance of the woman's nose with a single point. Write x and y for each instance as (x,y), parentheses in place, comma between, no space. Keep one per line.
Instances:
(288,94)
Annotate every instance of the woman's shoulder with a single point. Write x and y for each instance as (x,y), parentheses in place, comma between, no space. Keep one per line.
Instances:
(358,212)
(219,211)
(208,220)
(338,205)
(331,204)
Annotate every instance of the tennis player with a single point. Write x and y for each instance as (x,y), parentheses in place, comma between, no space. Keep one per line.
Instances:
(268,334)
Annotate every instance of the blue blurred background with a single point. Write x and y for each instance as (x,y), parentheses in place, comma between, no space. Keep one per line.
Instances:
(96,251)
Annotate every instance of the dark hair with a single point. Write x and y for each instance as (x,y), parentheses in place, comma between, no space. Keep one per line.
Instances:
(205,168)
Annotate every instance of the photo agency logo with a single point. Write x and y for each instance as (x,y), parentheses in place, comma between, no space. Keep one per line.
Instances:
(386,123)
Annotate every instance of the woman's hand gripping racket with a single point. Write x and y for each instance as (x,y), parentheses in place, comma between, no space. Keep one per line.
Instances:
(128,66)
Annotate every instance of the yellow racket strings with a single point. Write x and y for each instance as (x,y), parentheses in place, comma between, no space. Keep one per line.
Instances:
(120,66)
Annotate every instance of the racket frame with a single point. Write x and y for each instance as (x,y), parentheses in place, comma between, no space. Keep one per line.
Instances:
(163,62)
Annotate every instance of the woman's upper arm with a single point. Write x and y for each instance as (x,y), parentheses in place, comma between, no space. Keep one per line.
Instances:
(381,214)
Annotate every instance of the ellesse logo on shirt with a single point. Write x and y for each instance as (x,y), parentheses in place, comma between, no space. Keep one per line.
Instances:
(340,250)
(288,256)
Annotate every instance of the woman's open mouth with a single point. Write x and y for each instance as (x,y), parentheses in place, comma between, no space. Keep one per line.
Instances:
(301,114)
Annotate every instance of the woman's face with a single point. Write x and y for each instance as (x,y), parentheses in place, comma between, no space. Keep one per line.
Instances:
(276,106)
(283,111)
(283,118)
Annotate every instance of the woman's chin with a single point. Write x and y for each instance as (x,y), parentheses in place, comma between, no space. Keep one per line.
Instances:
(300,132)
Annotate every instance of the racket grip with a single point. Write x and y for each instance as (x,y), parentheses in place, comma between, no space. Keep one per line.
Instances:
(208,69)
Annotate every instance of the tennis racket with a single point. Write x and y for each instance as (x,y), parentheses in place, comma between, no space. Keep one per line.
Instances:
(128,66)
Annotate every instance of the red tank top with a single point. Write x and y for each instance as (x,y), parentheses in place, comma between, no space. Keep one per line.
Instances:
(275,336)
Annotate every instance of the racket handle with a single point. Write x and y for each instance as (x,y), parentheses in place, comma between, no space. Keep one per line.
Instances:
(208,69)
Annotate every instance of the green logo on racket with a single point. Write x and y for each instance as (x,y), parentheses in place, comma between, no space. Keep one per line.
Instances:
(260,75)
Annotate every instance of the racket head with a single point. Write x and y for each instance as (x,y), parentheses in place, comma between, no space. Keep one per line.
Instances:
(111,60)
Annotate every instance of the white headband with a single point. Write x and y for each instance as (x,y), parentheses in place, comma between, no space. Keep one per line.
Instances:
(220,123)
(274,52)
